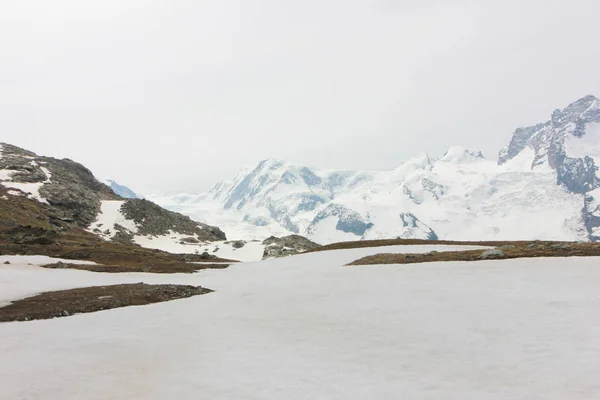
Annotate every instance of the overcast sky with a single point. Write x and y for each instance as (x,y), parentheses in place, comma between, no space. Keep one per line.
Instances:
(175,95)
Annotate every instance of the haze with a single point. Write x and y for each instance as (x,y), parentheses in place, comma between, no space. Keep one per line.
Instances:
(172,96)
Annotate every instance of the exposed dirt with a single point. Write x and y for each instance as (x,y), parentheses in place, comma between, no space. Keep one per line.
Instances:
(81,245)
(507,250)
(155,269)
(28,227)
(65,303)
(400,242)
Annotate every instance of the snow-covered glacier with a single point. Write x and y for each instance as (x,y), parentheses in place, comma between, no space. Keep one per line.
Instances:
(542,187)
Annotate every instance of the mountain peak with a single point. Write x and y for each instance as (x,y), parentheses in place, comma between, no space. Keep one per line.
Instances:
(121,190)
(547,139)
(270,164)
(462,155)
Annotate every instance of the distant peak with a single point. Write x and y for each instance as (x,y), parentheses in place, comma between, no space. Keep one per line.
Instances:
(271,163)
(459,154)
(578,109)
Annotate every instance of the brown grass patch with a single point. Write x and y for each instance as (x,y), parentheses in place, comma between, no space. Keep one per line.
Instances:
(114,257)
(165,268)
(65,303)
(510,250)
(405,242)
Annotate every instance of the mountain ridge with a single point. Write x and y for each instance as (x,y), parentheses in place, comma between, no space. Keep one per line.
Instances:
(544,178)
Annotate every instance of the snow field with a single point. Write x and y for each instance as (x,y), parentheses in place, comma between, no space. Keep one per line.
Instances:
(305,327)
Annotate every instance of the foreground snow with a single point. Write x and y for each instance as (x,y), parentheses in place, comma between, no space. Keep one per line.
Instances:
(305,327)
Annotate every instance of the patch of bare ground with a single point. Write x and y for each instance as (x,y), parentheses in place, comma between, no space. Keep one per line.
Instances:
(114,257)
(161,268)
(65,303)
(400,242)
(508,250)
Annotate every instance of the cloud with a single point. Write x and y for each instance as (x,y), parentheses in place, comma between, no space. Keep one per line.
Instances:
(174,96)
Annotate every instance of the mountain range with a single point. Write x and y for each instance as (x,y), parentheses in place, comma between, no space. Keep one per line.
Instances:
(544,185)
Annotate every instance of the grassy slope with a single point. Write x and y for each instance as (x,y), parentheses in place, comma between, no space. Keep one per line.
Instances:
(29,227)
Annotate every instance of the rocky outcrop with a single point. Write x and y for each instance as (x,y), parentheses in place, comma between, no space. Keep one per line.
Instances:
(562,143)
(413,228)
(68,195)
(286,246)
(348,220)
(70,189)
(154,220)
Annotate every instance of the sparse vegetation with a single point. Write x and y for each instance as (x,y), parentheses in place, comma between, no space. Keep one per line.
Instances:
(506,250)
(28,227)
(400,242)
(65,303)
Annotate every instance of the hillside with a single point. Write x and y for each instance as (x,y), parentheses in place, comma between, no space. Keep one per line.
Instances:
(57,207)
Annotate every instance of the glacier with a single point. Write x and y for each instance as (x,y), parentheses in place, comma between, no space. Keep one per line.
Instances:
(542,187)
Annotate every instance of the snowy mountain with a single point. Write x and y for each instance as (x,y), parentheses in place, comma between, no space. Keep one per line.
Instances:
(542,187)
(121,190)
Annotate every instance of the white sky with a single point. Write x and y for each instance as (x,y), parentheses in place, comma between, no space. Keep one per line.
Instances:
(168,96)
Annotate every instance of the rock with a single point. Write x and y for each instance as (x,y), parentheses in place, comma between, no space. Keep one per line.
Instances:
(65,313)
(560,246)
(287,246)
(491,254)
(349,221)
(189,240)
(154,220)
(238,244)
(32,235)
(6,262)
(508,246)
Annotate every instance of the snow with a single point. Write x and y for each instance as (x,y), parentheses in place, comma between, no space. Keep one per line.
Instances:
(110,214)
(31,189)
(6,174)
(458,154)
(47,172)
(461,196)
(19,279)
(305,327)
(587,145)
(252,251)
(40,260)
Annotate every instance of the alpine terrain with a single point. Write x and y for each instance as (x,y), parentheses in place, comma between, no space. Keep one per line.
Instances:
(42,197)
(543,186)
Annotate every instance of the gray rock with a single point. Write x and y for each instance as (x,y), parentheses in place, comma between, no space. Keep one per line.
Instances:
(155,220)
(286,246)
(414,228)
(6,262)
(238,244)
(491,254)
(189,240)
(349,221)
